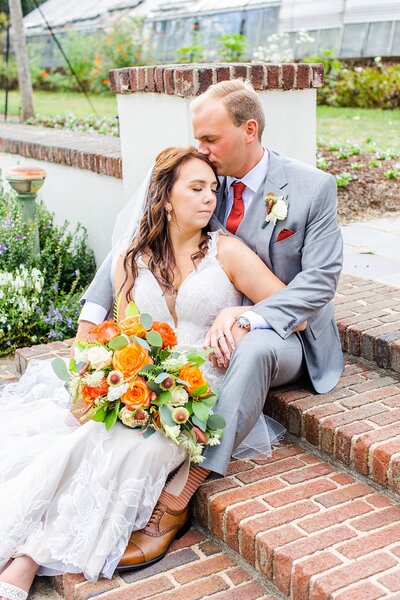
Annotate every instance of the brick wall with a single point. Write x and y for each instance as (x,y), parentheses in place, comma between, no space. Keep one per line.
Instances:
(192,80)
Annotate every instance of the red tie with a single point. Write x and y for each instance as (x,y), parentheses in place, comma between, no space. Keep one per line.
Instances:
(237,210)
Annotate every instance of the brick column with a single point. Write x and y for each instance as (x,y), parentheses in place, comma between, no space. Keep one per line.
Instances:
(153,106)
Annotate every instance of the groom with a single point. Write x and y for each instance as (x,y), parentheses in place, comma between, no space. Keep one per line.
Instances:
(304,249)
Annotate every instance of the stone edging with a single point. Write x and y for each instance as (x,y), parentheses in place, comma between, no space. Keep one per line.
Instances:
(92,152)
(194,79)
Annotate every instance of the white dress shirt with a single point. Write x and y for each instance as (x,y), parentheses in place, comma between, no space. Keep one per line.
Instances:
(252,180)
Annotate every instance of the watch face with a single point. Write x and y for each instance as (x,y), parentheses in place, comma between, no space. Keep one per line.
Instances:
(243,322)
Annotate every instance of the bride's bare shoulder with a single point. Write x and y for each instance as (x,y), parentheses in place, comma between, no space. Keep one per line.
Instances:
(230,245)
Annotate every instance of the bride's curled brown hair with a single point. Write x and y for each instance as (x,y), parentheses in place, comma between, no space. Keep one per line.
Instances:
(153,239)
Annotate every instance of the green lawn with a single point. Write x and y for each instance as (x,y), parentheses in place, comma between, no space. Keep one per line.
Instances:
(360,126)
(50,104)
(334,124)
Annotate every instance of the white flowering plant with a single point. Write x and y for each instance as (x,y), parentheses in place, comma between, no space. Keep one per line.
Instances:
(133,371)
(63,269)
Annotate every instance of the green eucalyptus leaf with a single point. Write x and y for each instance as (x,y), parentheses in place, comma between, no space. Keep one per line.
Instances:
(164,398)
(148,432)
(160,378)
(60,369)
(200,424)
(153,386)
(154,339)
(201,411)
(216,421)
(110,418)
(118,342)
(202,389)
(209,401)
(72,365)
(141,342)
(165,416)
(100,414)
(131,310)
(146,320)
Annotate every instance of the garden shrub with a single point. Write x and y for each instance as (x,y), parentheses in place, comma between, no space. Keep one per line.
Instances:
(375,86)
(39,296)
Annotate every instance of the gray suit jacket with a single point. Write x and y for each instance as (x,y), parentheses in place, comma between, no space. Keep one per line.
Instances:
(309,262)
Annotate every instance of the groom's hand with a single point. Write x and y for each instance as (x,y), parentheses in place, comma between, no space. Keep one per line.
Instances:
(221,338)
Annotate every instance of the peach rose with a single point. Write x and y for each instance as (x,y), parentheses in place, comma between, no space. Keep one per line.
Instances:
(167,334)
(105,332)
(137,396)
(130,360)
(90,393)
(194,378)
(132,326)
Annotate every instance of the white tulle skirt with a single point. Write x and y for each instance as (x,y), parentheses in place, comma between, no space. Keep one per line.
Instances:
(71,495)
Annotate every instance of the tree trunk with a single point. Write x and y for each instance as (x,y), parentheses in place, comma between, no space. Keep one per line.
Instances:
(21,54)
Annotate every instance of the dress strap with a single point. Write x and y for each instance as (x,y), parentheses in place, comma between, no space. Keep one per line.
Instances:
(213,243)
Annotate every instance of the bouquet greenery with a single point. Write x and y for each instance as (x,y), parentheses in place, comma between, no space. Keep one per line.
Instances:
(133,371)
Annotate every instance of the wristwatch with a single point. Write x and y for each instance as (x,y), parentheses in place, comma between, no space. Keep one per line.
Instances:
(244,323)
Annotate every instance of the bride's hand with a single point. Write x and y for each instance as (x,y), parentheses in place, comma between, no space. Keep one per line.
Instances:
(220,336)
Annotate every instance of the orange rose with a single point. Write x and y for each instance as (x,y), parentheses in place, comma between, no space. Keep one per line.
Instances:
(194,377)
(90,393)
(138,396)
(131,359)
(132,326)
(105,332)
(166,332)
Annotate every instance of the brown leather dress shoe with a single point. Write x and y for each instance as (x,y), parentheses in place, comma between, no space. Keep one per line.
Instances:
(147,546)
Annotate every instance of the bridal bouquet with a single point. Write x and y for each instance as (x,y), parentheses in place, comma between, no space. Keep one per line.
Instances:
(133,371)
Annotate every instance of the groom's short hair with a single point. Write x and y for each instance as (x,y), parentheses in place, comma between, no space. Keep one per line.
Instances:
(240,100)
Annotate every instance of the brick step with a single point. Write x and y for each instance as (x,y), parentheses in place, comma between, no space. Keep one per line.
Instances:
(357,424)
(196,566)
(368,318)
(314,531)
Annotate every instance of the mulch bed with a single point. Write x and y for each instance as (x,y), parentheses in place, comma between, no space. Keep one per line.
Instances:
(369,193)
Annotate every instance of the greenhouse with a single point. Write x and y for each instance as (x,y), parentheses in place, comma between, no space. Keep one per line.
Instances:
(351,29)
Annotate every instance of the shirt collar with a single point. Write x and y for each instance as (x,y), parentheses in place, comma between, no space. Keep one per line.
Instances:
(255,177)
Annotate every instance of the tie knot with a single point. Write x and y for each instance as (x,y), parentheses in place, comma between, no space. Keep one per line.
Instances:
(238,189)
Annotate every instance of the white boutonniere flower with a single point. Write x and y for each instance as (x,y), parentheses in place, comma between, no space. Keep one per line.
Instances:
(277,209)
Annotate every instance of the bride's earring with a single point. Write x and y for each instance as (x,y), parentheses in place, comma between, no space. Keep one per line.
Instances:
(168,216)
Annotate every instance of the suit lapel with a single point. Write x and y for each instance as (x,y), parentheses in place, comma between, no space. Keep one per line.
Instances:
(250,229)
(220,209)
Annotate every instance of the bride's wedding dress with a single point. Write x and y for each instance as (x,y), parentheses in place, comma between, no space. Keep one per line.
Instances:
(71,495)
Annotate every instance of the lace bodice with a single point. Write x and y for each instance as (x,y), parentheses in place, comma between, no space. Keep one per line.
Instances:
(201,296)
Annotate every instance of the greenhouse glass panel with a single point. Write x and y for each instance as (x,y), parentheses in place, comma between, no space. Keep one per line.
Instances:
(329,39)
(158,39)
(269,23)
(179,33)
(252,29)
(396,40)
(353,39)
(306,48)
(378,40)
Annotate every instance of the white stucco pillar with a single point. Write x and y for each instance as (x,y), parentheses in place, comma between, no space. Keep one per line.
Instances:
(153,107)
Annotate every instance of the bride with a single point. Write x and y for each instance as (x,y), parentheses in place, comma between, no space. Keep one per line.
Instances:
(71,495)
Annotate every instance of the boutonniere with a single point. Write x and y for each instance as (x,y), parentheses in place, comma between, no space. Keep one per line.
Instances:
(277,209)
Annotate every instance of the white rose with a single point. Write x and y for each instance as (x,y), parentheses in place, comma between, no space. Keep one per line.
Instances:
(115,392)
(80,355)
(99,357)
(179,396)
(278,211)
(94,379)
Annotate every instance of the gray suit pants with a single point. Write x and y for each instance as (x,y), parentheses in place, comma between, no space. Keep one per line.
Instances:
(261,360)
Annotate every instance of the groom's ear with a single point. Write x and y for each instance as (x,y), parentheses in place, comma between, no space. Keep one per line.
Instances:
(251,130)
